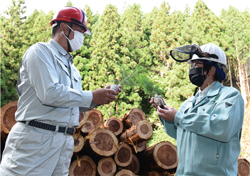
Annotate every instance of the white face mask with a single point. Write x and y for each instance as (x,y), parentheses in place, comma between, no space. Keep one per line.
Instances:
(77,41)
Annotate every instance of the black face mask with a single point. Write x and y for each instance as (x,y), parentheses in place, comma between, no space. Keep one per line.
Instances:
(196,77)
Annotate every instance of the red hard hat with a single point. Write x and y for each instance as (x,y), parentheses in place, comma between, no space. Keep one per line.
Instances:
(72,15)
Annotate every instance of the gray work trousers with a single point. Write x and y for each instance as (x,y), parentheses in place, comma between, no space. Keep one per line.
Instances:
(31,151)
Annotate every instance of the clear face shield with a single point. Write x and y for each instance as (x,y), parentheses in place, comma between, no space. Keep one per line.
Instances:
(185,53)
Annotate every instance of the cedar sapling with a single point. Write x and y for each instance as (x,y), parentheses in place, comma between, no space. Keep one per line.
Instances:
(151,90)
(127,77)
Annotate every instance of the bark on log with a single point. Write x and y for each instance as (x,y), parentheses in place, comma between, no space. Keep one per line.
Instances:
(243,167)
(94,120)
(132,117)
(162,155)
(8,118)
(103,142)
(106,167)
(134,166)
(114,124)
(125,172)
(84,166)
(140,145)
(123,155)
(78,142)
(142,130)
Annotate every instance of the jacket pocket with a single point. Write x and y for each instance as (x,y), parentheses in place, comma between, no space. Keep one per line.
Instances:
(62,65)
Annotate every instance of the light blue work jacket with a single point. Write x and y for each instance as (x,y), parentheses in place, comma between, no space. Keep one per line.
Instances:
(49,87)
(208,133)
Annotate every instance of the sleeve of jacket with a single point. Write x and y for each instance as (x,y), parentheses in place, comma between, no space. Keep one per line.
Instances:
(169,127)
(38,61)
(224,121)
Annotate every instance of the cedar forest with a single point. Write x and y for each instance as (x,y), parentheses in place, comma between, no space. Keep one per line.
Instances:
(130,40)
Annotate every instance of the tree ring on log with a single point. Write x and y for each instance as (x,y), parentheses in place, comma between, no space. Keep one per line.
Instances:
(125,172)
(78,142)
(94,116)
(87,127)
(103,142)
(87,167)
(123,155)
(106,166)
(8,116)
(144,129)
(165,155)
(243,167)
(114,124)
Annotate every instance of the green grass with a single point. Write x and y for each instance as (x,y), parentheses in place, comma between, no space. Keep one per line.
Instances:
(159,135)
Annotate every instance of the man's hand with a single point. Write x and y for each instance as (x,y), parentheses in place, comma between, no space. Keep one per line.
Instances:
(105,96)
(168,113)
(119,89)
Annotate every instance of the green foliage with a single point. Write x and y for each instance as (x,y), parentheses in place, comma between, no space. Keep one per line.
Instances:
(133,49)
(159,134)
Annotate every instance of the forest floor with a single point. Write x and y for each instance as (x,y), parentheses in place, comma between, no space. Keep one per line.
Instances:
(245,138)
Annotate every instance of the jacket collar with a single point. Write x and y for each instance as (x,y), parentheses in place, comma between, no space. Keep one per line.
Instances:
(215,89)
(62,51)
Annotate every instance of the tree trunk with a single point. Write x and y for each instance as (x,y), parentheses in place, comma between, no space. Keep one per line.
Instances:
(114,124)
(103,142)
(106,166)
(83,166)
(8,118)
(241,77)
(93,120)
(123,155)
(125,172)
(247,83)
(230,74)
(142,130)
(243,167)
(162,155)
(78,142)
(132,117)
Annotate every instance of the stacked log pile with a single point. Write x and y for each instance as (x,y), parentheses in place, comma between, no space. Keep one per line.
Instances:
(116,147)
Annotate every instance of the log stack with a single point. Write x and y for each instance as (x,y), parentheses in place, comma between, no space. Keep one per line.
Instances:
(118,147)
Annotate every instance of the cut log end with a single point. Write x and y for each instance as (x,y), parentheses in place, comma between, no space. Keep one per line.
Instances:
(165,155)
(106,166)
(78,142)
(125,172)
(103,142)
(144,129)
(243,167)
(114,124)
(136,115)
(134,166)
(85,166)
(8,116)
(123,155)
(87,127)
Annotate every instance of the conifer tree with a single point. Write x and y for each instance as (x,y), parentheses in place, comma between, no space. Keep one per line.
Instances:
(12,49)
(237,47)
(105,59)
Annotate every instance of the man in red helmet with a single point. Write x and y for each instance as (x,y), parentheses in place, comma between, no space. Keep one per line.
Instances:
(50,99)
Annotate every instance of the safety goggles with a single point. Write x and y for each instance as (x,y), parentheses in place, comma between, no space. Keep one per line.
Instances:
(185,53)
